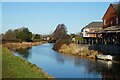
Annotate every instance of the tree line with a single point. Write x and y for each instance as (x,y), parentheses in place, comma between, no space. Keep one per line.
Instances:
(21,34)
(59,36)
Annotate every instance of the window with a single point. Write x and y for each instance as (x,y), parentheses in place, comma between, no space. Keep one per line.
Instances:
(104,22)
(111,23)
(116,20)
(86,34)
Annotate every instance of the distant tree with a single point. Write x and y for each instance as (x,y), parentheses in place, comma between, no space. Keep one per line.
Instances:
(20,34)
(60,36)
(72,35)
(9,34)
(25,35)
(60,32)
(37,36)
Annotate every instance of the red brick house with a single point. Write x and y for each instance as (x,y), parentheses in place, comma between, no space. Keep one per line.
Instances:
(111,17)
(111,25)
(106,32)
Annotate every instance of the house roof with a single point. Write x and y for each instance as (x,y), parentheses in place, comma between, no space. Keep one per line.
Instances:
(116,7)
(94,25)
(112,28)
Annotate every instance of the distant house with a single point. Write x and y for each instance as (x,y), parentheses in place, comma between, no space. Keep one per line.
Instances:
(90,31)
(46,38)
(91,28)
(111,25)
(112,16)
(107,31)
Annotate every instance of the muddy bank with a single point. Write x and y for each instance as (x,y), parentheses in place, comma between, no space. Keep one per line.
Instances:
(80,50)
(23,45)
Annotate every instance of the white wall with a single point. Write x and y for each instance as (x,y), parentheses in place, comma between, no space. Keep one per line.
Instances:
(85,30)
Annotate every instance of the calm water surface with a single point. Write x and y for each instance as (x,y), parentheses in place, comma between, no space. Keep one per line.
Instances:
(65,66)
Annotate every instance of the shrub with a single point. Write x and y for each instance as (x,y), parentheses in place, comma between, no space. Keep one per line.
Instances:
(60,42)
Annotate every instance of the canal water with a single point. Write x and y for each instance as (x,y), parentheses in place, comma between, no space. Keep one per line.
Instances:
(67,66)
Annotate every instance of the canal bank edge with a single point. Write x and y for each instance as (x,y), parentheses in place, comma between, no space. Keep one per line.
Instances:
(23,45)
(16,67)
(79,50)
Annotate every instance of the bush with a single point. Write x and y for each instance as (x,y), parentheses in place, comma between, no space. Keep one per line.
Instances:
(78,38)
(60,42)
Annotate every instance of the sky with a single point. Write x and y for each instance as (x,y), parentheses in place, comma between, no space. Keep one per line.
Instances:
(0,17)
(43,17)
(59,0)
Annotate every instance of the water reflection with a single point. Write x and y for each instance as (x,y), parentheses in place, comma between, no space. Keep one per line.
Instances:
(66,66)
(25,53)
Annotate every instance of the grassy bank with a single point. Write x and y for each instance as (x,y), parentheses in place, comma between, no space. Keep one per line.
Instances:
(16,67)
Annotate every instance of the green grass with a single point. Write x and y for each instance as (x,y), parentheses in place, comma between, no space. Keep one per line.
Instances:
(16,67)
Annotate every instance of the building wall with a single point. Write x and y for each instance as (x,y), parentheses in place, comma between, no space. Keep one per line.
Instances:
(110,17)
(86,30)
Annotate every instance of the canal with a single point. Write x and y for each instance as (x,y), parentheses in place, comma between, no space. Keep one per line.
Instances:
(67,66)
